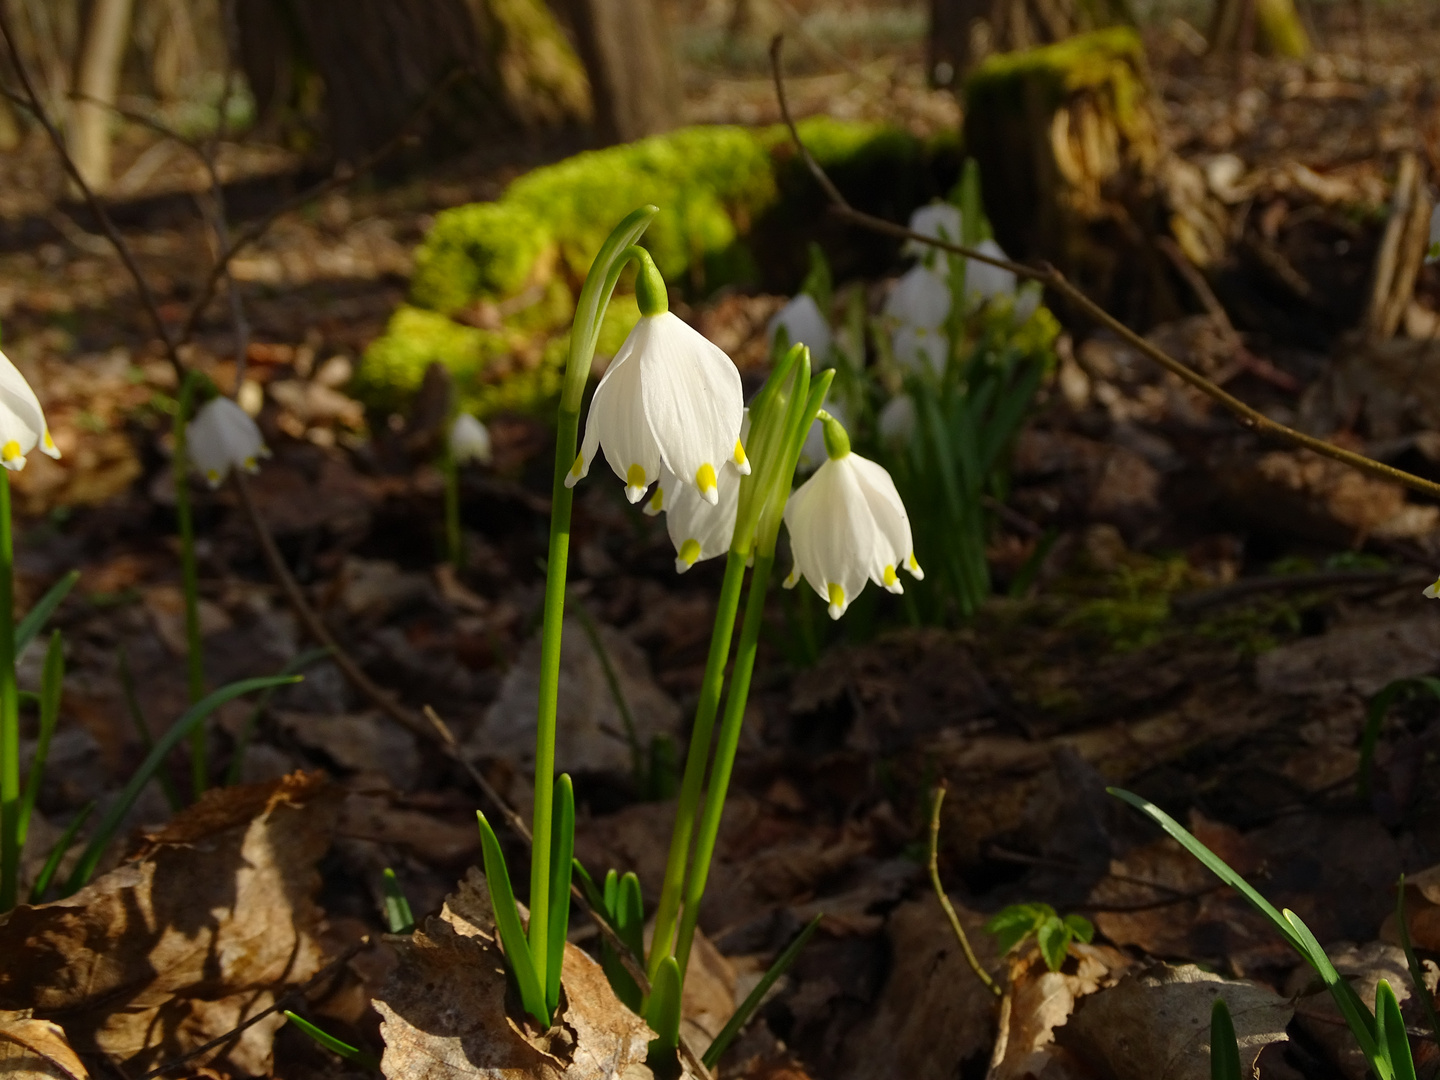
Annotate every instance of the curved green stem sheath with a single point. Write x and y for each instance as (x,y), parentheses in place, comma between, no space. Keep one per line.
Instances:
(695,760)
(190,579)
(725,747)
(9,712)
(589,310)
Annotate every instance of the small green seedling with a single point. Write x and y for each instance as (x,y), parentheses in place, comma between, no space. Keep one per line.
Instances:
(397,909)
(1224,1047)
(334,1045)
(1053,934)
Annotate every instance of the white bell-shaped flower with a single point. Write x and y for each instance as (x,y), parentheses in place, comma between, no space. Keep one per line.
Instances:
(223,437)
(896,422)
(470,440)
(22,421)
(920,298)
(1027,301)
(920,348)
(847,526)
(982,281)
(939,221)
(1433,591)
(805,324)
(670,399)
(698,530)
(1432,251)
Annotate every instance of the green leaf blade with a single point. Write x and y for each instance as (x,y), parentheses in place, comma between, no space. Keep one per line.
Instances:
(507,921)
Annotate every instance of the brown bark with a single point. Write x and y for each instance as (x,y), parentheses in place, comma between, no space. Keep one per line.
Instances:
(98,78)
(964,32)
(372,61)
(633,71)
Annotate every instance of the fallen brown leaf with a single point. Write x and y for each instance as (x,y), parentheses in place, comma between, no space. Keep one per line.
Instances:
(444,1009)
(190,937)
(1155,1025)
(33,1049)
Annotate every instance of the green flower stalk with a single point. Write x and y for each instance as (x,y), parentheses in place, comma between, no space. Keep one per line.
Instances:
(22,429)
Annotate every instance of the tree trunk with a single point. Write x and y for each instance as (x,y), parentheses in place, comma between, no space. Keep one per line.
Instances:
(1273,27)
(374,61)
(633,71)
(97,80)
(964,32)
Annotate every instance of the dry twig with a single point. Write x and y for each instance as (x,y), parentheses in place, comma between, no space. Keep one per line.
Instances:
(934,866)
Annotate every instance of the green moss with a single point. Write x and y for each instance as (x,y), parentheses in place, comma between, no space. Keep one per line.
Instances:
(731,199)
(1113,60)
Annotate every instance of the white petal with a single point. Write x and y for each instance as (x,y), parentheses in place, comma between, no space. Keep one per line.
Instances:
(804,323)
(919,349)
(617,422)
(939,221)
(698,530)
(920,298)
(1433,591)
(832,534)
(983,280)
(470,440)
(22,423)
(693,401)
(892,523)
(223,437)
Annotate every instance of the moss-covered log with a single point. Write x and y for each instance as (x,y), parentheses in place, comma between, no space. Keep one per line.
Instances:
(1075,172)
(494,283)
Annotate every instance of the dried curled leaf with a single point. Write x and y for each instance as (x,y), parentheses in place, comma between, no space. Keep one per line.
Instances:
(444,1012)
(33,1049)
(189,938)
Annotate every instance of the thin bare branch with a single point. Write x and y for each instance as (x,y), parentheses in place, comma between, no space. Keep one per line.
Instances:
(1052,278)
(934,868)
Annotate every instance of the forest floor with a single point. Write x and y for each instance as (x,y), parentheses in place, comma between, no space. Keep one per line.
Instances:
(1206,629)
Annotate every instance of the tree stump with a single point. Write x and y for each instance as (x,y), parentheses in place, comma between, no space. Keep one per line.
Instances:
(628,53)
(964,32)
(1074,171)
(369,63)
(1271,27)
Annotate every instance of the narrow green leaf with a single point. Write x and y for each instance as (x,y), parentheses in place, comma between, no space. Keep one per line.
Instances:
(1224,1047)
(752,1001)
(630,914)
(1394,1043)
(1356,1012)
(663,1012)
(626,913)
(593,894)
(1417,973)
(331,1043)
(29,626)
(51,681)
(142,728)
(397,909)
(57,853)
(191,719)
(562,858)
(1375,714)
(296,665)
(507,920)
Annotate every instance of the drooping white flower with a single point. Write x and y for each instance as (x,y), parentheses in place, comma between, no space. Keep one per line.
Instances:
(896,422)
(698,530)
(22,422)
(669,398)
(939,221)
(918,348)
(920,298)
(982,281)
(1433,591)
(847,526)
(1027,301)
(806,324)
(1432,252)
(223,437)
(470,440)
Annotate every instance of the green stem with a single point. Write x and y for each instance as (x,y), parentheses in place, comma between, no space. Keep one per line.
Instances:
(9,712)
(726,745)
(448,468)
(589,311)
(190,579)
(696,759)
